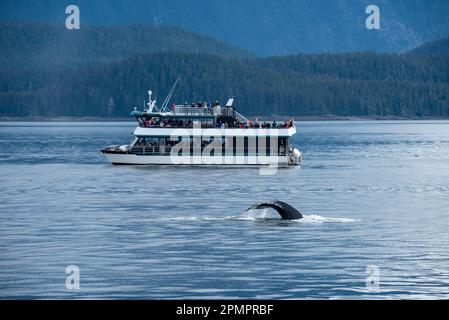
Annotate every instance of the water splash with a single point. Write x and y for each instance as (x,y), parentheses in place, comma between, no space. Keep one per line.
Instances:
(319,219)
(263,215)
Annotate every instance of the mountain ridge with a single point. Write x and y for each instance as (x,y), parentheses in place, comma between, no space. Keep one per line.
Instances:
(350,84)
(49,45)
(263,27)
(437,47)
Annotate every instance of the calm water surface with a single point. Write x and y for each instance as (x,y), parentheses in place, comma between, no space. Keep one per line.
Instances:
(374,193)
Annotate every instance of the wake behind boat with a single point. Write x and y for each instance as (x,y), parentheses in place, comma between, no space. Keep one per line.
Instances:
(204,134)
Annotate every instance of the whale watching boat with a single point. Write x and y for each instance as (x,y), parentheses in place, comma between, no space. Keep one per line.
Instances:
(204,134)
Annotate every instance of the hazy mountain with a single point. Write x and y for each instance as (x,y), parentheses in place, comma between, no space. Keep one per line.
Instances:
(437,47)
(44,46)
(262,26)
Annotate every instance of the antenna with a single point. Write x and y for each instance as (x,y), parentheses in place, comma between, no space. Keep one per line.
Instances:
(170,93)
(151,103)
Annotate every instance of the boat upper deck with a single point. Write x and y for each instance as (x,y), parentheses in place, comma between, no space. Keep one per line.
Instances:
(216,117)
(225,132)
(159,121)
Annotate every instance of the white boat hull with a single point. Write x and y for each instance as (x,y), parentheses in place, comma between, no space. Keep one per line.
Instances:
(133,159)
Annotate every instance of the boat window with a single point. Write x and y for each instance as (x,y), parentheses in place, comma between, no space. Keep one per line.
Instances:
(245,146)
(282,141)
(133,141)
(251,145)
(267,145)
(257,146)
(282,146)
(223,145)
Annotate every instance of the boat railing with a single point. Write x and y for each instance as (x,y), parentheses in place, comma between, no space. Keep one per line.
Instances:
(192,111)
(238,125)
(203,125)
(188,110)
(240,117)
(161,150)
(151,150)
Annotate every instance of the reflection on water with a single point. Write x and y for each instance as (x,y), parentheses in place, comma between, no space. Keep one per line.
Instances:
(373,193)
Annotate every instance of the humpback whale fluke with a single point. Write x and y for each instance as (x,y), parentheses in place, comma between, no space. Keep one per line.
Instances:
(286,211)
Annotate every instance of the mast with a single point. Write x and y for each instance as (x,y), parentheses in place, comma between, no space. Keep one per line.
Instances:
(168,97)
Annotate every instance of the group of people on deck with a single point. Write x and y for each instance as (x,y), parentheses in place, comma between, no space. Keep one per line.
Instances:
(200,107)
(187,123)
(174,123)
(258,124)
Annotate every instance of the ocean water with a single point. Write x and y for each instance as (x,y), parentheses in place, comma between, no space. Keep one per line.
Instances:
(375,196)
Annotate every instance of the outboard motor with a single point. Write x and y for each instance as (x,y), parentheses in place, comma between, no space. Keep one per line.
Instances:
(294,155)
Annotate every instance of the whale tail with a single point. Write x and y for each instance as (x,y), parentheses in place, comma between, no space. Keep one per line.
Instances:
(286,211)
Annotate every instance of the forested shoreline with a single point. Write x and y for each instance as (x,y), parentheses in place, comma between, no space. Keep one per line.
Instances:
(105,72)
